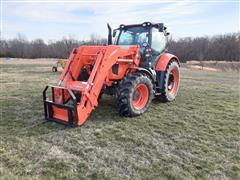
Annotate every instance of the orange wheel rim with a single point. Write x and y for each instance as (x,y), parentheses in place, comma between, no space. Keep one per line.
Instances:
(173,81)
(140,96)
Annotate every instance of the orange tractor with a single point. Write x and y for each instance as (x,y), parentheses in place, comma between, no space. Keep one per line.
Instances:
(135,68)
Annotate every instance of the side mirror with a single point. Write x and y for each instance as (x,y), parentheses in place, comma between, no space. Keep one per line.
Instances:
(161,27)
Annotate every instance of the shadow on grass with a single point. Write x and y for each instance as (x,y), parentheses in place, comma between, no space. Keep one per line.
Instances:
(106,113)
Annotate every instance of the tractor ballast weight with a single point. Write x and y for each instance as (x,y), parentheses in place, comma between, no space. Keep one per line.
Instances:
(116,70)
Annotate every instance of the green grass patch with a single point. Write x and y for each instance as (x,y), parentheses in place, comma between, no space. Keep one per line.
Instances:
(197,136)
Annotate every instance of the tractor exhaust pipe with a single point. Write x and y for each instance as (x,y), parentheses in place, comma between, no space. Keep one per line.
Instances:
(109,34)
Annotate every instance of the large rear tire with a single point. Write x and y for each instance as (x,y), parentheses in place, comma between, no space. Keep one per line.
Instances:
(134,95)
(171,83)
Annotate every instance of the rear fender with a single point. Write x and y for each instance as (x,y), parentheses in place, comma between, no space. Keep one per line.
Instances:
(163,61)
(161,68)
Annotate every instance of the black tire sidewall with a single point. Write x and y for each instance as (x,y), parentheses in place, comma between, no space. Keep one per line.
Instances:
(172,65)
(125,92)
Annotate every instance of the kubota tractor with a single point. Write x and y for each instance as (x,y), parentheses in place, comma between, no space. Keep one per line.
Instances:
(135,69)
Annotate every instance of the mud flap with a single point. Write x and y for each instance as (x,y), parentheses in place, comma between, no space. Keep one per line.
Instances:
(160,80)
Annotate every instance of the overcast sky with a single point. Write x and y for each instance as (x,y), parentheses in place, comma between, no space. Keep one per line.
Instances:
(52,20)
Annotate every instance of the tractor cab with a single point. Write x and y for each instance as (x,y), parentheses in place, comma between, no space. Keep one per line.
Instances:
(151,37)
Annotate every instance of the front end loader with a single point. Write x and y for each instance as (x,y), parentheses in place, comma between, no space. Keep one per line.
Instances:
(135,69)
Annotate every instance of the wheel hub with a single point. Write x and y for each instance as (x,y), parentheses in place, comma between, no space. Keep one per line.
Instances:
(136,96)
(140,96)
(170,81)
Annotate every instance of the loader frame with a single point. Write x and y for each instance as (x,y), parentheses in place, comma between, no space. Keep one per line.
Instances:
(102,59)
(50,102)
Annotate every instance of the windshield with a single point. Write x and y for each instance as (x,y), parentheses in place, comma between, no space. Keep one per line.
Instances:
(133,36)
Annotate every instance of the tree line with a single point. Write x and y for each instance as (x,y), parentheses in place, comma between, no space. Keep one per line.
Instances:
(220,47)
(20,47)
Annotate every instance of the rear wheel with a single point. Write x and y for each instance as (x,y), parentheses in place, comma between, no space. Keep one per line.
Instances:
(134,95)
(171,83)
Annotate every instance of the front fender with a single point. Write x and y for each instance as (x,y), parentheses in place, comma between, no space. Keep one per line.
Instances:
(163,61)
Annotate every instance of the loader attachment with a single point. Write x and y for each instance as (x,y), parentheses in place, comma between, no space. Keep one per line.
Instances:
(87,70)
(60,111)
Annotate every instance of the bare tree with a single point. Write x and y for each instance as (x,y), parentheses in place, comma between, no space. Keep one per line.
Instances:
(222,47)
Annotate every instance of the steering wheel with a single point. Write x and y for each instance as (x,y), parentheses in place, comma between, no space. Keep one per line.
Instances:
(144,44)
(143,47)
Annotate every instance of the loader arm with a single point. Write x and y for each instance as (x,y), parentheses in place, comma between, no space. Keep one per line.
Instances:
(105,60)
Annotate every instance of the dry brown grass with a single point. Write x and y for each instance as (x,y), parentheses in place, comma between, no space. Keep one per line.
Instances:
(214,65)
(16,61)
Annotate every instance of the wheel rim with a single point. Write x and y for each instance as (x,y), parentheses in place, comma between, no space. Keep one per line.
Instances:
(173,81)
(140,96)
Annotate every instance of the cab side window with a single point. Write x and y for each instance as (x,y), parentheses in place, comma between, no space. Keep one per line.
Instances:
(126,38)
(159,42)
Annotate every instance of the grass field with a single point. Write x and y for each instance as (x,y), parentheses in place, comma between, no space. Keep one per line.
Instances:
(195,137)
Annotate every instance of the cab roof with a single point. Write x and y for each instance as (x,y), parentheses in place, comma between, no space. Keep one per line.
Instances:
(150,24)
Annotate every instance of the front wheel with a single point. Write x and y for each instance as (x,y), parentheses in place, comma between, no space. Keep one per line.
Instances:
(134,95)
(171,82)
